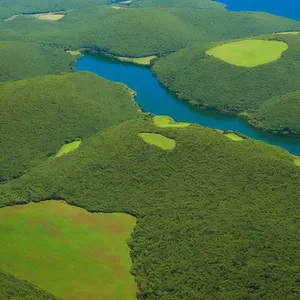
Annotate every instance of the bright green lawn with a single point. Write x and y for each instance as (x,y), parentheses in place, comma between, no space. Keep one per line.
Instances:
(68,251)
(297,161)
(69,147)
(233,136)
(165,121)
(158,140)
(249,53)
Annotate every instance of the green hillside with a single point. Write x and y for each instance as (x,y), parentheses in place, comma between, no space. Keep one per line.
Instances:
(279,114)
(208,81)
(22,60)
(142,32)
(39,115)
(199,4)
(15,7)
(14,289)
(216,218)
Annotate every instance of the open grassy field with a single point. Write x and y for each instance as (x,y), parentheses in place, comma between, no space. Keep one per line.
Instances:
(167,122)
(49,16)
(230,207)
(233,136)
(249,53)
(67,251)
(67,148)
(158,140)
(145,61)
(39,115)
(21,60)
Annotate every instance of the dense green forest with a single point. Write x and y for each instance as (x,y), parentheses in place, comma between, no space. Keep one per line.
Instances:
(208,81)
(21,60)
(39,115)
(12,288)
(142,32)
(279,114)
(15,7)
(199,4)
(216,217)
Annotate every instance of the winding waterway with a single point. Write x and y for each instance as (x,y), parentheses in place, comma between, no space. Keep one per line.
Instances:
(154,98)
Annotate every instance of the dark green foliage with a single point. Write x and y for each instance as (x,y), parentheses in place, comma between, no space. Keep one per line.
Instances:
(37,116)
(208,81)
(199,4)
(141,32)
(14,7)
(12,288)
(279,114)
(22,60)
(217,219)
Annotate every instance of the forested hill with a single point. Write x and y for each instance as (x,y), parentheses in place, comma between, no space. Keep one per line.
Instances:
(142,32)
(216,217)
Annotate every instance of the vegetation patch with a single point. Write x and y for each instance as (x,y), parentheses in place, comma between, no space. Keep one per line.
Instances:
(74,52)
(158,140)
(167,122)
(297,161)
(233,136)
(249,53)
(68,251)
(146,61)
(48,16)
(67,148)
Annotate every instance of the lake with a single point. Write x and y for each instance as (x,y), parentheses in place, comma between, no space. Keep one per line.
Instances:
(154,98)
(286,8)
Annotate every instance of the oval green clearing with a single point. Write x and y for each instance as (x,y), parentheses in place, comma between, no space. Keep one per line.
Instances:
(167,122)
(158,140)
(69,147)
(233,136)
(249,53)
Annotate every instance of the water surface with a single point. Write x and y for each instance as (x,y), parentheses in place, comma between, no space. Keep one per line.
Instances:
(154,98)
(284,8)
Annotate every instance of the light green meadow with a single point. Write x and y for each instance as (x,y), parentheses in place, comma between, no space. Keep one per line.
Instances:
(69,147)
(249,53)
(167,122)
(158,140)
(68,251)
(233,136)
(297,161)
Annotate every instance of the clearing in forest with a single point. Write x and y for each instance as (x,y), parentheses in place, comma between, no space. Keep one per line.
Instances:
(69,147)
(249,53)
(158,140)
(233,136)
(167,122)
(49,16)
(68,251)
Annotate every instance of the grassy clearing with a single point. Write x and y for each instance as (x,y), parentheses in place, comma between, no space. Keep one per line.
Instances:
(167,122)
(297,161)
(289,32)
(249,53)
(68,251)
(158,140)
(233,136)
(48,17)
(145,61)
(67,148)
(74,52)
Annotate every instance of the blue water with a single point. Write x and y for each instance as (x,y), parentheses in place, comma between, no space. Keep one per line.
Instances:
(153,98)
(285,8)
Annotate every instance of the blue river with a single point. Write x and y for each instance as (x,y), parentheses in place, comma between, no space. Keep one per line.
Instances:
(154,98)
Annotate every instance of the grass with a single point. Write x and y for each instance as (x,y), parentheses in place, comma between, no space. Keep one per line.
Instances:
(158,140)
(249,53)
(145,61)
(67,148)
(74,52)
(297,161)
(68,251)
(233,136)
(167,122)
(48,17)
